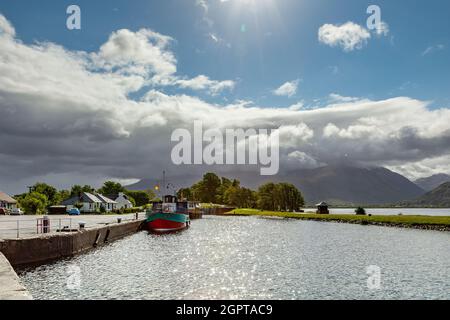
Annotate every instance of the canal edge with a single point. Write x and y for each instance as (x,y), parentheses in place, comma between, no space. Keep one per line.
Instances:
(11,287)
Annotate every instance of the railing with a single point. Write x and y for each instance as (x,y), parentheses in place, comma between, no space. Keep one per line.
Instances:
(23,226)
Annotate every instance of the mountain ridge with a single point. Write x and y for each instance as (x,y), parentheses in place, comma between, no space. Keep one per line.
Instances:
(338,185)
(438,197)
(432,182)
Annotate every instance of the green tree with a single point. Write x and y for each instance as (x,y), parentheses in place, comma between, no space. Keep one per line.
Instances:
(63,195)
(267,197)
(76,190)
(49,191)
(185,193)
(240,197)
(224,185)
(288,197)
(141,198)
(111,187)
(34,203)
(209,187)
(279,197)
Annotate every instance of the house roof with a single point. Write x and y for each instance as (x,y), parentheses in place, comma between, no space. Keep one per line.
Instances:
(84,197)
(105,199)
(6,198)
(117,195)
(91,198)
(87,197)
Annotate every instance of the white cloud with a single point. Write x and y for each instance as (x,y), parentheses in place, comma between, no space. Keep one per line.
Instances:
(218,40)
(300,159)
(334,97)
(202,4)
(432,49)
(204,83)
(144,52)
(349,36)
(6,27)
(61,118)
(297,106)
(288,89)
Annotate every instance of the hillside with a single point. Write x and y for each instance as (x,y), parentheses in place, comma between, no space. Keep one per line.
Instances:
(432,182)
(338,185)
(439,197)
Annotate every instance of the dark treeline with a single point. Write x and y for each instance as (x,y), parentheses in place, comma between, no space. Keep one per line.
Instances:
(269,196)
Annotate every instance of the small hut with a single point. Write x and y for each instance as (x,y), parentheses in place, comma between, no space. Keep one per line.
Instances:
(322,208)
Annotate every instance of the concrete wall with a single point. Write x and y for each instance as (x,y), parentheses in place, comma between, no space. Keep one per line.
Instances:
(41,249)
(10,286)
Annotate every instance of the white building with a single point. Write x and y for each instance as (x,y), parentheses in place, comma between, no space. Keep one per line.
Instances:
(123,201)
(90,203)
(7,202)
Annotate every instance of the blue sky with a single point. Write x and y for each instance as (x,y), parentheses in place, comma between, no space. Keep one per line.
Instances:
(265,43)
(100,103)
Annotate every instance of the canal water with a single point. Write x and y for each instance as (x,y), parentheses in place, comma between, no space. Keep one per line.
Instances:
(255,258)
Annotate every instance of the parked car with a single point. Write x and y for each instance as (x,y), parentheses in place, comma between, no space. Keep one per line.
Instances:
(3,212)
(16,212)
(74,212)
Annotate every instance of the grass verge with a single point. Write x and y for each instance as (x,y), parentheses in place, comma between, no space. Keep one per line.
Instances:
(425,222)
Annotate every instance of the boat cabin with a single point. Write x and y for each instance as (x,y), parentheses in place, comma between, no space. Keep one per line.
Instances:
(170,205)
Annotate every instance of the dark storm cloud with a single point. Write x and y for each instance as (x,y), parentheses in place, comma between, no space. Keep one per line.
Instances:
(65,117)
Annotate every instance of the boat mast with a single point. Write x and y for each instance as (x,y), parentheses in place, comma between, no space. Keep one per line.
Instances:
(164,187)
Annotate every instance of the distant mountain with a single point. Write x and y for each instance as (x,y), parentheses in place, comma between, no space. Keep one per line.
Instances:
(338,185)
(439,197)
(432,182)
(353,185)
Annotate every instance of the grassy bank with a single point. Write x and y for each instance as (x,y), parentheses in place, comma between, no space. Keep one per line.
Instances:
(419,222)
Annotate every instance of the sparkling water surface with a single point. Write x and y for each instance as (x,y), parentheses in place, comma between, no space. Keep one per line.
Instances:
(254,258)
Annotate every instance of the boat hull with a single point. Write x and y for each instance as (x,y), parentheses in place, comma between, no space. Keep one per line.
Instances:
(167,222)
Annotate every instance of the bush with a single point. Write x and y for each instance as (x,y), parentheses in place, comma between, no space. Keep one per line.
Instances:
(360,211)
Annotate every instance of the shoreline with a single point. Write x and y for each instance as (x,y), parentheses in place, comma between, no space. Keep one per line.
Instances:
(41,249)
(434,223)
(10,284)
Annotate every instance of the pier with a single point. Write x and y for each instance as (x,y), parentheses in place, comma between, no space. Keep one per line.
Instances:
(11,288)
(37,250)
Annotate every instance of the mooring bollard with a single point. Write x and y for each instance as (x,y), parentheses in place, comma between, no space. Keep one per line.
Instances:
(82,225)
(46,224)
(119,220)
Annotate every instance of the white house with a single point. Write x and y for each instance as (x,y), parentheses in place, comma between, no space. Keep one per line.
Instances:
(107,203)
(7,201)
(90,203)
(123,201)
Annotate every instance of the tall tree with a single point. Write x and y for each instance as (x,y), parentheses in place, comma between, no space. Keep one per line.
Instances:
(111,187)
(279,197)
(207,189)
(185,193)
(49,191)
(34,203)
(76,190)
(141,198)
(267,197)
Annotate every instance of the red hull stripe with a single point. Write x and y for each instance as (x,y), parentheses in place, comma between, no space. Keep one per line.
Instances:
(161,225)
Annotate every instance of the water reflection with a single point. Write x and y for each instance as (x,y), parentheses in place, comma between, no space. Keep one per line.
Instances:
(255,258)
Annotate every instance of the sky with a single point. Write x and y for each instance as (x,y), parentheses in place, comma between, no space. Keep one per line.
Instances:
(82,106)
